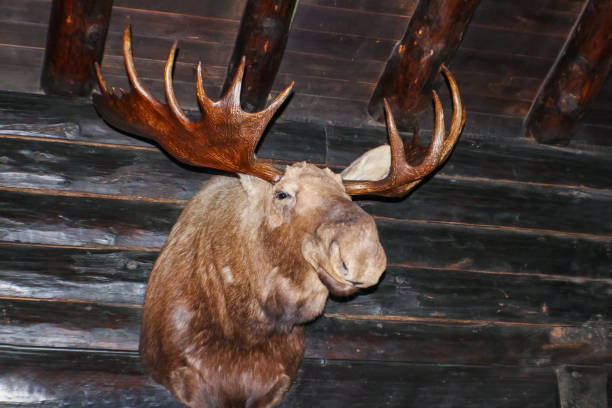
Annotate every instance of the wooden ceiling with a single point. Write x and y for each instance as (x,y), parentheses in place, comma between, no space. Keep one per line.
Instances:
(336,52)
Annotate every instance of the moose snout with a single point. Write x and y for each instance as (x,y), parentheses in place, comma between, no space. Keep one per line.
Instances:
(347,255)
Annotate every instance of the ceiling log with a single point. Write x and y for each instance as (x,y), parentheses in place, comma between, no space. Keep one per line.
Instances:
(575,78)
(75,40)
(262,38)
(432,37)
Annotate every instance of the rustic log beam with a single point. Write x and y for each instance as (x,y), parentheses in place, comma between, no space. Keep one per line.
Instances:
(432,37)
(262,38)
(76,37)
(575,78)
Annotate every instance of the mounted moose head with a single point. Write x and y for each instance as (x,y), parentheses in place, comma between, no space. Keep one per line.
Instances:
(254,257)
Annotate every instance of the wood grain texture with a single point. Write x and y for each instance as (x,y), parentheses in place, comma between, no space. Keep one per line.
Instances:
(116,379)
(431,39)
(329,42)
(89,220)
(112,274)
(261,41)
(75,41)
(582,387)
(575,78)
(146,173)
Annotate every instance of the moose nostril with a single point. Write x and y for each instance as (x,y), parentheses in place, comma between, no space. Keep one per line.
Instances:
(344,269)
(336,258)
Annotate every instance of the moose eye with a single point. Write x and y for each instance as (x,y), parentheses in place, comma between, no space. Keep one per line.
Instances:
(281,195)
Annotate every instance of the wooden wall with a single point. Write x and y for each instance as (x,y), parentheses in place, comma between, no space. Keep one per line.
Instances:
(337,49)
(499,267)
(498,287)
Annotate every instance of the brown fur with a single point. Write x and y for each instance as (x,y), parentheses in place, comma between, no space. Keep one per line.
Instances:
(239,274)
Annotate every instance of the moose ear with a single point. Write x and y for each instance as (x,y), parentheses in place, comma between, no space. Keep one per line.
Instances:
(254,186)
(371,166)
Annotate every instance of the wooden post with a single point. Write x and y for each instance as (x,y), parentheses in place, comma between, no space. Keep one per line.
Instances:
(76,37)
(262,38)
(575,78)
(582,387)
(432,37)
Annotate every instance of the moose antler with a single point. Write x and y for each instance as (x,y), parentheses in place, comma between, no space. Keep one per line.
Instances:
(403,177)
(224,138)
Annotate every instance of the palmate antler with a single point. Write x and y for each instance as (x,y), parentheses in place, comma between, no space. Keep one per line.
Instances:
(403,177)
(225,138)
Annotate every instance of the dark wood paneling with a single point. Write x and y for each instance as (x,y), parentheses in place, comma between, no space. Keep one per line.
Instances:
(27,11)
(398,7)
(231,10)
(485,38)
(23,34)
(83,220)
(457,294)
(90,274)
(462,342)
(339,45)
(504,63)
(109,170)
(116,379)
(346,21)
(48,378)
(173,26)
(471,247)
(548,17)
(513,205)
(335,336)
(582,387)
(452,291)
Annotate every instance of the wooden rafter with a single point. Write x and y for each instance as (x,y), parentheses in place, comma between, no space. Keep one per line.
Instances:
(575,78)
(433,34)
(76,37)
(262,38)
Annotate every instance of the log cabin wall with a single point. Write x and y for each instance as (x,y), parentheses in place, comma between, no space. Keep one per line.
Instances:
(498,288)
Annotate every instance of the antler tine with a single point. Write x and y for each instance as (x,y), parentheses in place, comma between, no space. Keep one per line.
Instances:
(269,112)
(170,96)
(458,114)
(131,69)
(204,101)
(402,177)
(233,92)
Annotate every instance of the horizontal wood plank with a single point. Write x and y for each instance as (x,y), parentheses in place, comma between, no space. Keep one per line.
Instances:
(112,170)
(227,10)
(443,245)
(69,323)
(27,11)
(397,7)
(550,17)
(66,218)
(450,292)
(116,379)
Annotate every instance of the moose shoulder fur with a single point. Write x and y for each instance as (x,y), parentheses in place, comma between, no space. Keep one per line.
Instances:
(254,256)
(246,264)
